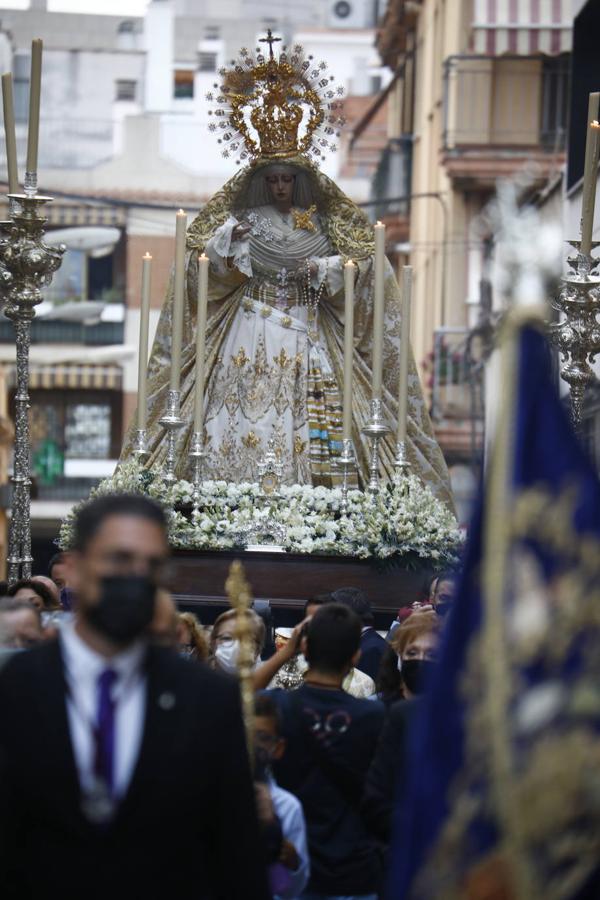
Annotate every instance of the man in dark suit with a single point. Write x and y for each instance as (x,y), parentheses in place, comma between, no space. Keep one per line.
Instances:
(372,645)
(123,768)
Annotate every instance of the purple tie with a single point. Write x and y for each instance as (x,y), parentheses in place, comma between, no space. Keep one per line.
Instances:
(105,732)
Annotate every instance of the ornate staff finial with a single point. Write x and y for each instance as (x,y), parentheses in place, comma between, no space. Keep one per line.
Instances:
(240,598)
(270,40)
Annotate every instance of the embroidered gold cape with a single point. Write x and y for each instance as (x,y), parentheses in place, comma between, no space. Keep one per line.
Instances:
(350,235)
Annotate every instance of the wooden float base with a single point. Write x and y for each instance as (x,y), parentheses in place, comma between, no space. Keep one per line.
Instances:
(286,580)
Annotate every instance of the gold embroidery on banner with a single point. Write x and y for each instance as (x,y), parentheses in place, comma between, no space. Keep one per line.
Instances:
(550,722)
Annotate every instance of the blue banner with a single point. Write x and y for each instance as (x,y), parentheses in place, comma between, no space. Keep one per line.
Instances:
(503,787)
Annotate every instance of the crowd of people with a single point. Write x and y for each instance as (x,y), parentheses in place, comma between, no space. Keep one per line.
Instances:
(124,764)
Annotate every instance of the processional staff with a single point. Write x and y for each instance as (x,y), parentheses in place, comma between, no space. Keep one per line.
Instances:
(240,597)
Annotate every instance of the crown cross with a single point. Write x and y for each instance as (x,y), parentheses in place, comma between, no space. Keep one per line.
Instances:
(270,40)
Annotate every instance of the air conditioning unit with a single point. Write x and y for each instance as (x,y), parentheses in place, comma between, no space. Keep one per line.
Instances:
(351,13)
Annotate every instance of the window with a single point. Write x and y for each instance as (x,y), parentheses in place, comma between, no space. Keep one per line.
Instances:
(21,67)
(183,84)
(207,62)
(125,89)
(72,424)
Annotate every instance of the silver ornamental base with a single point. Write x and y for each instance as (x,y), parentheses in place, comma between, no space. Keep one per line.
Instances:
(346,462)
(197,456)
(172,422)
(376,429)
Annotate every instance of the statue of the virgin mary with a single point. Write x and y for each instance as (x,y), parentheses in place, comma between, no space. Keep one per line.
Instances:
(277,236)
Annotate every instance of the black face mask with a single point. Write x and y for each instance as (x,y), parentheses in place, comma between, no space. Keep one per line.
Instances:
(125,608)
(416,673)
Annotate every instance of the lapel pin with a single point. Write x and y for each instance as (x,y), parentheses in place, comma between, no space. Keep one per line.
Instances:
(166,700)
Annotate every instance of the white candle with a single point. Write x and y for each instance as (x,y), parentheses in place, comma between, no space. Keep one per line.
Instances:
(143,350)
(404,353)
(203,264)
(10,134)
(178,297)
(349,276)
(590,173)
(35,89)
(378,309)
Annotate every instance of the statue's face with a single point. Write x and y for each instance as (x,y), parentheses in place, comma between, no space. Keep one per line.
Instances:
(281,186)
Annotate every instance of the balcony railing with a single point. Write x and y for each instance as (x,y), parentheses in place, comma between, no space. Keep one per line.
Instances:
(509,102)
(55,331)
(455,379)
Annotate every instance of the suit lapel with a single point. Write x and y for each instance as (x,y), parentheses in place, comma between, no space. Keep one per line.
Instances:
(160,702)
(58,746)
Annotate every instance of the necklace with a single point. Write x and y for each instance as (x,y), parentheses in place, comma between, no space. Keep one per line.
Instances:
(312,298)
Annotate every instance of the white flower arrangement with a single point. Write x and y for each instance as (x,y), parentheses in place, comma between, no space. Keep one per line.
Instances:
(404,521)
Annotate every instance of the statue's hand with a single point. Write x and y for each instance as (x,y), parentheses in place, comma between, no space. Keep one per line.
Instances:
(240,231)
(304,267)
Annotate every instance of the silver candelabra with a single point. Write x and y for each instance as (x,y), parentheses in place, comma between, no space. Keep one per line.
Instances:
(28,266)
(577,333)
(172,422)
(376,429)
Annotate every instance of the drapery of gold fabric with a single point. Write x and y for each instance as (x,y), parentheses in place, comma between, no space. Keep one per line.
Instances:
(350,235)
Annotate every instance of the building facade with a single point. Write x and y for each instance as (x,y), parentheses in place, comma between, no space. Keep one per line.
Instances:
(479,91)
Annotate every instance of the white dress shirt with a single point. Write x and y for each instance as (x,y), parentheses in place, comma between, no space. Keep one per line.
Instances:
(83,667)
(288,810)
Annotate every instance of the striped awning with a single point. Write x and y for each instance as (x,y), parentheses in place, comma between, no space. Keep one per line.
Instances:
(69,214)
(79,377)
(522,27)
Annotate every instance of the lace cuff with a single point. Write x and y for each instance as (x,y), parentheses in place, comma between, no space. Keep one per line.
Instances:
(220,247)
(329,270)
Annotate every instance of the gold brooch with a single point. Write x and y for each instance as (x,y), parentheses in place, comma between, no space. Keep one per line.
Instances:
(303,220)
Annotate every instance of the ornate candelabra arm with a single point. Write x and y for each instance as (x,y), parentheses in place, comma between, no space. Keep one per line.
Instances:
(28,265)
(375,430)
(240,598)
(172,421)
(577,333)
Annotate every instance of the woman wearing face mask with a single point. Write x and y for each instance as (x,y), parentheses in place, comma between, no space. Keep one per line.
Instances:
(415,644)
(225,647)
(191,639)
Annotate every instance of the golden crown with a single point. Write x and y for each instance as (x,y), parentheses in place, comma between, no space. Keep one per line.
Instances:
(276,107)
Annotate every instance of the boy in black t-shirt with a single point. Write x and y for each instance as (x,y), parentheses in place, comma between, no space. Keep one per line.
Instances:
(331,738)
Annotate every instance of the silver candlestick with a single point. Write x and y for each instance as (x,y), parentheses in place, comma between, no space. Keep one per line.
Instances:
(577,334)
(346,461)
(197,456)
(172,421)
(376,429)
(140,450)
(401,463)
(31,264)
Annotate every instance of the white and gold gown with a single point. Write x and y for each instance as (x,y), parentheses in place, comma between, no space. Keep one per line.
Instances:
(273,359)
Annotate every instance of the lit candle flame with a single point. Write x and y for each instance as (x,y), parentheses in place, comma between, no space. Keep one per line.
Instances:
(595,124)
